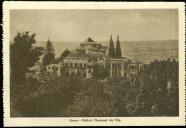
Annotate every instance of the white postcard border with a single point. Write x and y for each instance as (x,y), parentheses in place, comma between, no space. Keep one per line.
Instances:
(65,121)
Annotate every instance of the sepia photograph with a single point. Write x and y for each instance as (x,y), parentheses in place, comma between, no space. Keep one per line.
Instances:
(94,63)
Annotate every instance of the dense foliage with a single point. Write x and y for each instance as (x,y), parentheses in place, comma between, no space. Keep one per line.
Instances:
(148,94)
(100,72)
(23,54)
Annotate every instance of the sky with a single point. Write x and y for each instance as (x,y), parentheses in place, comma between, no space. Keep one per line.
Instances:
(77,24)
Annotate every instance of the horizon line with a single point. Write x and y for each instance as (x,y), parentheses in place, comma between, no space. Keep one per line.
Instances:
(109,40)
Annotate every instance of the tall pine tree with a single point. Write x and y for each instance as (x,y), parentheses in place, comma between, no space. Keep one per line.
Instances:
(118,48)
(49,54)
(111,50)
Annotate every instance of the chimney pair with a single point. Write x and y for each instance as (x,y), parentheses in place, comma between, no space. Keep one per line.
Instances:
(117,37)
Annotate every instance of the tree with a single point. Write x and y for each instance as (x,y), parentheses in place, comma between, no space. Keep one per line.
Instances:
(45,97)
(49,53)
(111,51)
(100,72)
(65,54)
(118,48)
(159,90)
(23,55)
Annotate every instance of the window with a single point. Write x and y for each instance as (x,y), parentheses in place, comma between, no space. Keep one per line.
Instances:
(54,68)
(85,65)
(119,66)
(80,65)
(75,65)
(66,64)
(89,71)
(71,64)
(89,66)
(119,73)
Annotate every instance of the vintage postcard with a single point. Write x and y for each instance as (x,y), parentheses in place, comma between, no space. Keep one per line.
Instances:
(93,63)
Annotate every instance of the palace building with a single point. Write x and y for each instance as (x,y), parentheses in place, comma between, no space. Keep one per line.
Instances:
(81,61)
